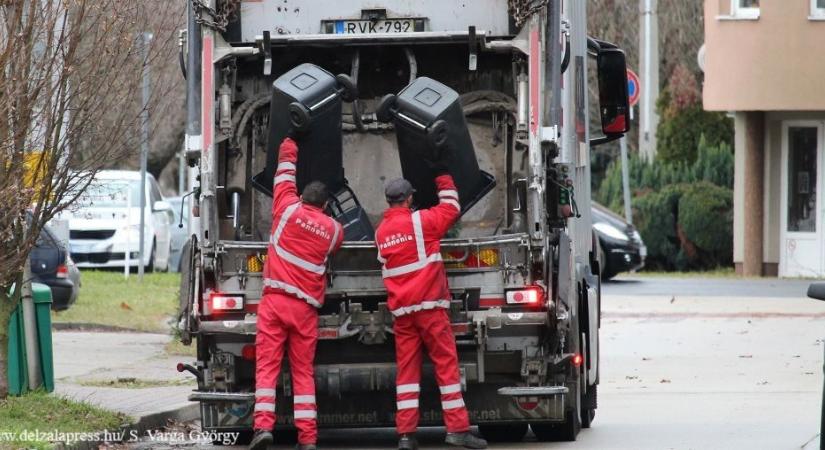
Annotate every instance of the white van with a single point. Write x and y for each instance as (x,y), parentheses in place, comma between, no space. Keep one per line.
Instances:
(104,227)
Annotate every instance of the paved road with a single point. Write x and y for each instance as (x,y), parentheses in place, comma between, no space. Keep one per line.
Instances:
(721,365)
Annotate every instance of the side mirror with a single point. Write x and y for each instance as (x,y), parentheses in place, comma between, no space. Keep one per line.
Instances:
(614,105)
(817,290)
(161,206)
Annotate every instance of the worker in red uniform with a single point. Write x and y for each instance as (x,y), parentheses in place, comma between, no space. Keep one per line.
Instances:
(418,296)
(302,239)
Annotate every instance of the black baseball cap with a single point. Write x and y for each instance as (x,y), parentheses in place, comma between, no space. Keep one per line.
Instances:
(398,190)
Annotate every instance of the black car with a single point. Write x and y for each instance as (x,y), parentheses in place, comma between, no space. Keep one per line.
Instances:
(52,266)
(620,246)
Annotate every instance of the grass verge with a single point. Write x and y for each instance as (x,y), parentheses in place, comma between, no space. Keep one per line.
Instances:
(106,298)
(49,414)
(176,348)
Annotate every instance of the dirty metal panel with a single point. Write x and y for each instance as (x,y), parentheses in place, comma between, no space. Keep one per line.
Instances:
(305,16)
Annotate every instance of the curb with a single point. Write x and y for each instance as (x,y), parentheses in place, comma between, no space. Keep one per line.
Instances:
(139,428)
(83,326)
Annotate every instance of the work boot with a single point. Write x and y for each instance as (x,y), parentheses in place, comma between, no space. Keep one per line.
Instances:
(407,442)
(466,440)
(306,447)
(261,440)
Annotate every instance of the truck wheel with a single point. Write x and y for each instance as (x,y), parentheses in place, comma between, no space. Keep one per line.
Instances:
(437,133)
(510,432)
(558,432)
(589,406)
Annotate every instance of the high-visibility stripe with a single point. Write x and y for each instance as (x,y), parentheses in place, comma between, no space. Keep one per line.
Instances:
(276,236)
(451,202)
(407,388)
(418,231)
(305,414)
(430,304)
(450,389)
(452,404)
(295,260)
(334,238)
(444,192)
(409,268)
(267,407)
(304,399)
(264,392)
(407,404)
(284,177)
(292,290)
(286,165)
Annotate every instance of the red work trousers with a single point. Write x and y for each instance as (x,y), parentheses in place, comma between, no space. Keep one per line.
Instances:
(428,329)
(286,320)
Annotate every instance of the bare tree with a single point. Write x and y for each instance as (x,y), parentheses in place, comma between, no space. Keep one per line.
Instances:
(70,75)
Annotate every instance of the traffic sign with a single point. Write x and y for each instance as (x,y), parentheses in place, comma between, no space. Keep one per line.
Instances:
(634,87)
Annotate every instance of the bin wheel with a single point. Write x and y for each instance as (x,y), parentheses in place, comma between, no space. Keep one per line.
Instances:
(349,91)
(383,113)
(299,115)
(437,133)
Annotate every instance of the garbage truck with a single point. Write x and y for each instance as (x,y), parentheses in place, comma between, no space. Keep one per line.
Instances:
(522,261)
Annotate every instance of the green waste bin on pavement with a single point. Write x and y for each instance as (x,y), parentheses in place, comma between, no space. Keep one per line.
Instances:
(17,366)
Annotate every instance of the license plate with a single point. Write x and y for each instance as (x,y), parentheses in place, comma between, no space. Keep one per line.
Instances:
(374,26)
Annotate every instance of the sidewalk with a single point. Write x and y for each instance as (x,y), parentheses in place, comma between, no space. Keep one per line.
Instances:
(99,358)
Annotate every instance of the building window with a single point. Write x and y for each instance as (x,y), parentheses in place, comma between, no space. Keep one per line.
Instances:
(745,9)
(817,9)
(802,150)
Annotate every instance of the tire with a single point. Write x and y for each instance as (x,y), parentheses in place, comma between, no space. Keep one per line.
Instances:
(151,266)
(383,113)
(349,91)
(602,262)
(285,436)
(511,432)
(566,431)
(437,133)
(299,116)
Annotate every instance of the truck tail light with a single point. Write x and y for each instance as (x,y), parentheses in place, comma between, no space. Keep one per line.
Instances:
(223,302)
(577,360)
(529,295)
(62,271)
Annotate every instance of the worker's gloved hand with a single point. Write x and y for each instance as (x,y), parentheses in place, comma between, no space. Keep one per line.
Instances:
(288,144)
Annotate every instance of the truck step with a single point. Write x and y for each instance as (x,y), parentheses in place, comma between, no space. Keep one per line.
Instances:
(533,391)
(215,397)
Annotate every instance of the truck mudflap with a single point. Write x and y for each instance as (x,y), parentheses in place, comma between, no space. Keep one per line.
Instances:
(484,404)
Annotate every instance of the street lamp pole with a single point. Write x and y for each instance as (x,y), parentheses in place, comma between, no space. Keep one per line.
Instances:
(144,149)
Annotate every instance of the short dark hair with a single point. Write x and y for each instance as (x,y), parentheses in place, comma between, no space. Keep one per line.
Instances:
(315,193)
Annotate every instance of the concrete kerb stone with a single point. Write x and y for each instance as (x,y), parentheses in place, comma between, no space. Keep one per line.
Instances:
(142,425)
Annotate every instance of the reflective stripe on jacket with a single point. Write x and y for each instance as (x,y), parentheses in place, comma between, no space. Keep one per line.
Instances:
(409,249)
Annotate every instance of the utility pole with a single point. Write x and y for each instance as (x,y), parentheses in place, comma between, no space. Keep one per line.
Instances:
(649,46)
(144,149)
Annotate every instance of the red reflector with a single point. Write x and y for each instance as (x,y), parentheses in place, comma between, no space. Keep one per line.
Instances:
(223,302)
(62,271)
(328,333)
(578,360)
(528,405)
(490,302)
(180,367)
(461,328)
(248,352)
(530,295)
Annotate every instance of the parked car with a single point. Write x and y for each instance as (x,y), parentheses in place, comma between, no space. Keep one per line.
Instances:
(104,230)
(52,265)
(179,233)
(620,246)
